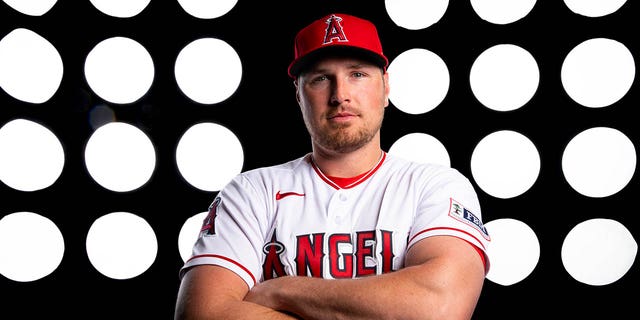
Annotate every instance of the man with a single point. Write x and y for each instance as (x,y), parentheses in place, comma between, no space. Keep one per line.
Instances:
(347,231)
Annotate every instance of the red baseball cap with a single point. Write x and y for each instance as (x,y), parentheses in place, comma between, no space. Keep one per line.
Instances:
(337,32)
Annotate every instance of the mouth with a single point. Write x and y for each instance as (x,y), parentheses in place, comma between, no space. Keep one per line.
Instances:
(342,116)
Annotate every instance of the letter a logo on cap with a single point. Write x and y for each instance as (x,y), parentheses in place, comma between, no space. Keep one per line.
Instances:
(329,32)
(334,30)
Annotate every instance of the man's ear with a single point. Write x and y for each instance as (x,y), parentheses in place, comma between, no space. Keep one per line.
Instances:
(385,77)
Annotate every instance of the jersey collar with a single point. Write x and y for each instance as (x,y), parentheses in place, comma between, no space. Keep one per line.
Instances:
(346,183)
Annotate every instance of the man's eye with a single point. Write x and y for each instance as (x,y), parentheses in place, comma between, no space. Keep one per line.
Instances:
(319,78)
(358,74)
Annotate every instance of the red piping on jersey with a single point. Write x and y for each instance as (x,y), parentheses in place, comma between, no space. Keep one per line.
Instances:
(467,233)
(358,180)
(447,228)
(226,259)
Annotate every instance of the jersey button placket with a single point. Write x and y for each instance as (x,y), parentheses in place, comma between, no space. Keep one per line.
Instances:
(337,208)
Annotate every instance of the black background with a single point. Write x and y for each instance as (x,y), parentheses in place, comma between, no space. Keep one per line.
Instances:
(263,109)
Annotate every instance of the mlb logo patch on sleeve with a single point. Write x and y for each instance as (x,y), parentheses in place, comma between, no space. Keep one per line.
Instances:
(459,212)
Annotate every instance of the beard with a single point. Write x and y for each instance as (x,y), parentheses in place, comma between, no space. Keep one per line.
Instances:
(344,138)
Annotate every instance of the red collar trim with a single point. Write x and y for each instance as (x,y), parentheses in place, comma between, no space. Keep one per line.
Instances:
(346,183)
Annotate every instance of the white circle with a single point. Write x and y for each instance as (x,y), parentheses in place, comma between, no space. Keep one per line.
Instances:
(594,8)
(119,70)
(416,14)
(598,72)
(189,234)
(121,245)
(502,11)
(514,251)
(208,156)
(207,9)
(598,251)
(32,156)
(31,246)
(31,66)
(421,147)
(504,77)
(419,81)
(208,70)
(505,164)
(599,162)
(120,157)
(31,7)
(120,8)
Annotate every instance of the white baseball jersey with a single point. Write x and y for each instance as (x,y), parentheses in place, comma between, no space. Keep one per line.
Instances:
(291,219)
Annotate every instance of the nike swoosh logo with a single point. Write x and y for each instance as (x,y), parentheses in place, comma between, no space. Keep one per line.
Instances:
(286,194)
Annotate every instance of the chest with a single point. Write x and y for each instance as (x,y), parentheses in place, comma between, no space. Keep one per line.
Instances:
(348,232)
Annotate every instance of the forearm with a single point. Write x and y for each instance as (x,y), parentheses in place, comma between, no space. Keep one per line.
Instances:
(393,295)
(378,297)
(211,292)
(429,288)
(232,310)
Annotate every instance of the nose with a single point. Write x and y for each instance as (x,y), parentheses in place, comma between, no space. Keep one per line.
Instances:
(339,92)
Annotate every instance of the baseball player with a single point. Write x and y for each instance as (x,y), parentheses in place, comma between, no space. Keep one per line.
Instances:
(348,230)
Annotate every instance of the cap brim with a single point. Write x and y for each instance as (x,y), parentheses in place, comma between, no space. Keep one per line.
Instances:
(297,66)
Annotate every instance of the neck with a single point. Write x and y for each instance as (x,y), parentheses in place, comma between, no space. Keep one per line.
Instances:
(349,164)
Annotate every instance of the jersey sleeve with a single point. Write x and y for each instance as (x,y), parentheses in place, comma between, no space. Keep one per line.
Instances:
(450,206)
(232,234)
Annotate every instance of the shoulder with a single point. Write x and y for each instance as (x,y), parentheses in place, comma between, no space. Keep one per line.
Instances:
(288,167)
(429,171)
(425,178)
(274,175)
(264,180)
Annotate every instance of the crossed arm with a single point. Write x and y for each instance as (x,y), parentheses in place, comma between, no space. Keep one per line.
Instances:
(442,279)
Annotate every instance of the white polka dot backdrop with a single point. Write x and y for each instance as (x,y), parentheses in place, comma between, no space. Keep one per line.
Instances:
(121,120)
